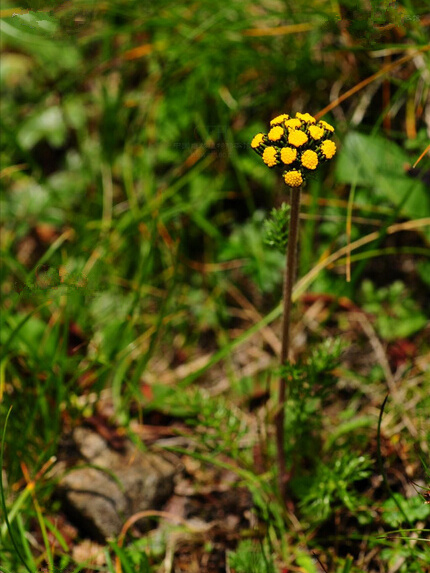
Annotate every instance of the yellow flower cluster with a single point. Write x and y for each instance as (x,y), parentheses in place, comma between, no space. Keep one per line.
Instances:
(293,178)
(309,159)
(279,120)
(316,132)
(257,141)
(269,156)
(288,155)
(306,117)
(276,133)
(300,142)
(328,149)
(293,123)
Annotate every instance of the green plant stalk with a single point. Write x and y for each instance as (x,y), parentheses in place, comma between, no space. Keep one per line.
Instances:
(289,277)
(3,500)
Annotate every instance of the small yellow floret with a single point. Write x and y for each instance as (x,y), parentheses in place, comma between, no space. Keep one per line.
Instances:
(297,138)
(279,119)
(328,148)
(275,133)
(257,141)
(306,117)
(293,178)
(309,159)
(326,125)
(288,155)
(269,156)
(316,132)
(293,122)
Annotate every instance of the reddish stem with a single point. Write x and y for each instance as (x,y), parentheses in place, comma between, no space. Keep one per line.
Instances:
(289,278)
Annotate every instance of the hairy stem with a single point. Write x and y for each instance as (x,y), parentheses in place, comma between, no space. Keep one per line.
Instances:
(289,277)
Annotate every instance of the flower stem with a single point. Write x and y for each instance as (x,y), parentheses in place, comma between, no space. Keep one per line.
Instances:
(289,278)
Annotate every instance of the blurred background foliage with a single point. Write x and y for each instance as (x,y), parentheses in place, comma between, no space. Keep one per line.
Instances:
(132,206)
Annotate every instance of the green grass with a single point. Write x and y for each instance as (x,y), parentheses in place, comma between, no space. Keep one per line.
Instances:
(134,265)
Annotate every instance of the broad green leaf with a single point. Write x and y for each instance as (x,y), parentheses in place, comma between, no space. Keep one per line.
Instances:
(379,164)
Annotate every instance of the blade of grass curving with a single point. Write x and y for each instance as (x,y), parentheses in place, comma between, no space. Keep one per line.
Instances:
(348,232)
(369,80)
(57,534)
(144,359)
(123,560)
(109,563)
(410,530)
(228,348)
(247,476)
(25,542)
(414,539)
(3,500)
(370,254)
(60,359)
(14,511)
(382,234)
(381,463)
(21,324)
(348,565)
(68,234)
(298,290)
(267,564)
(42,524)
(308,279)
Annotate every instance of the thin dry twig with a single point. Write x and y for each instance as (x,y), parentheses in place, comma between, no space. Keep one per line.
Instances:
(396,228)
(369,80)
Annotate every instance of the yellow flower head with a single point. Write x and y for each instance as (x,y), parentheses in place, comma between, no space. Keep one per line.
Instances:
(257,140)
(293,178)
(328,148)
(279,120)
(297,138)
(326,126)
(293,123)
(298,144)
(307,117)
(316,132)
(269,156)
(275,133)
(309,159)
(288,155)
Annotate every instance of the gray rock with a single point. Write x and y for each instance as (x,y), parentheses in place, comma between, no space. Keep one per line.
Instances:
(107,486)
